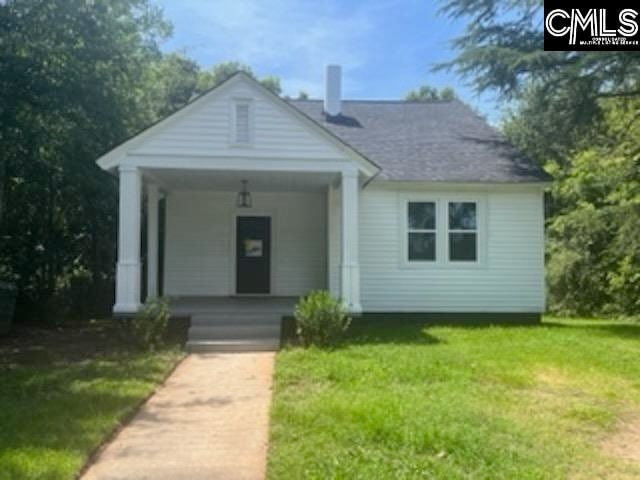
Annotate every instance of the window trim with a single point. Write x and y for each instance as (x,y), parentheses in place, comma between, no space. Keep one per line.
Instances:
(442,230)
(404,232)
(235,103)
(409,231)
(475,231)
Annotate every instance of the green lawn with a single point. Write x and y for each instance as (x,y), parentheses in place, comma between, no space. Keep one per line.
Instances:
(63,392)
(418,401)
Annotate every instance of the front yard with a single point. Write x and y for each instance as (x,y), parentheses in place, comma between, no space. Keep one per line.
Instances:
(560,400)
(63,391)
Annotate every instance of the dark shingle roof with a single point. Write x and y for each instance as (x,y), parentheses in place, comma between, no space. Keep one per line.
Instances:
(429,141)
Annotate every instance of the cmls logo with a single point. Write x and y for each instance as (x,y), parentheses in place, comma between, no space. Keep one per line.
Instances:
(614,28)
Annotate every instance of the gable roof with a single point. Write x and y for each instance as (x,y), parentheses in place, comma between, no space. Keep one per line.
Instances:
(442,141)
(111,158)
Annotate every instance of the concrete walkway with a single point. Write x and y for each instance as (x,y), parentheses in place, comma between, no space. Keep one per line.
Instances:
(209,421)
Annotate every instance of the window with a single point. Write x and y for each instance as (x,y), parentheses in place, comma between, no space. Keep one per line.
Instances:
(421,223)
(242,123)
(463,231)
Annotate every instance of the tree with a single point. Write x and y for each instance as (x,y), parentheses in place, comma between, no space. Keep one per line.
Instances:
(594,239)
(502,50)
(222,71)
(302,95)
(173,81)
(427,93)
(72,84)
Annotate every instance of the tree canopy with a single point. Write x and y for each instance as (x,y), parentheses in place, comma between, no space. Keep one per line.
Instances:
(427,93)
(222,71)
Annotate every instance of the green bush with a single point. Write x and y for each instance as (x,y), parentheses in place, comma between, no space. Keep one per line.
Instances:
(148,328)
(321,319)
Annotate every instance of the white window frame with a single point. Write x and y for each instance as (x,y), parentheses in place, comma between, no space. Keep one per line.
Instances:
(236,102)
(442,231)
(409,230)
(404,231)
(475,231)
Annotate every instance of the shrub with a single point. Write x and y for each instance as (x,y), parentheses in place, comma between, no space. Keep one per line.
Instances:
(147,329)
(321,319)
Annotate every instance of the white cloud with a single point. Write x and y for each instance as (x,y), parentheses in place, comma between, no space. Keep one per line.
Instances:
(291,38)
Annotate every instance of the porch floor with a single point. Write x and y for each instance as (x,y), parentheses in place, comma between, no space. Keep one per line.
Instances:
(233,323)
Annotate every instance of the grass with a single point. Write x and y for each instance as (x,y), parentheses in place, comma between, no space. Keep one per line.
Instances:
(63,392)
(493,402)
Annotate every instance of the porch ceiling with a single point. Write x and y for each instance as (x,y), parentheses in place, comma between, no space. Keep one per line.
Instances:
(229,180)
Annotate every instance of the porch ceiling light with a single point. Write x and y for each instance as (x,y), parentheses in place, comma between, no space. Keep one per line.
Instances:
(244,197)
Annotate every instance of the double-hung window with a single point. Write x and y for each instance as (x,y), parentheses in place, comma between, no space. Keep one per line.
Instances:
(421,231)
(463,231)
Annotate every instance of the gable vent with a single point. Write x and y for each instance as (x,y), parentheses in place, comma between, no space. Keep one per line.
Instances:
(242,123)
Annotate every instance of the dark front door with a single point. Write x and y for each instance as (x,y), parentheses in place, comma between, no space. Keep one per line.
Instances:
(253,254)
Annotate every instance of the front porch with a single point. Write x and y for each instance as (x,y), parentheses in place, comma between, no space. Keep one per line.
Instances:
(311,242)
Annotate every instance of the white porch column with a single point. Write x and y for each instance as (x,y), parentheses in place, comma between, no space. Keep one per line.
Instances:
(128,269)
(350,267)
(152,240)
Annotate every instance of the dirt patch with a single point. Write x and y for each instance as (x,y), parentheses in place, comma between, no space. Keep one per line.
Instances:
(35,345)
(624,443)
(552,377)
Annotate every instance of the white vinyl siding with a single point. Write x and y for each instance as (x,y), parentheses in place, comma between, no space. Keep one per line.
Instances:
(509,274)
(209,130)
(199,247)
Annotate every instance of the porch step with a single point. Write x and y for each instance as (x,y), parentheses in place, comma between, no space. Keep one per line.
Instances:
(238,330)
(232,331)
(235,318)
(248,345)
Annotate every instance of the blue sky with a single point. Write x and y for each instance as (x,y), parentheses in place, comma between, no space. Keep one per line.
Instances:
(385,47)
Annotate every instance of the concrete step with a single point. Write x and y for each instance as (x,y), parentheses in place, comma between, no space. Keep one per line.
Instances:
(230,331)
(236,318)
(243,307)
(254,345)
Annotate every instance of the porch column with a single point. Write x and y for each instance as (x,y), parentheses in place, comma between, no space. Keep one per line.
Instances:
(350,267)
(152,240)
(128,269)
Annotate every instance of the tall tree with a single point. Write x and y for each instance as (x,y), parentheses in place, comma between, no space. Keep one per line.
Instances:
(502,49)
(72,84)
(594,238)
(172,82)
